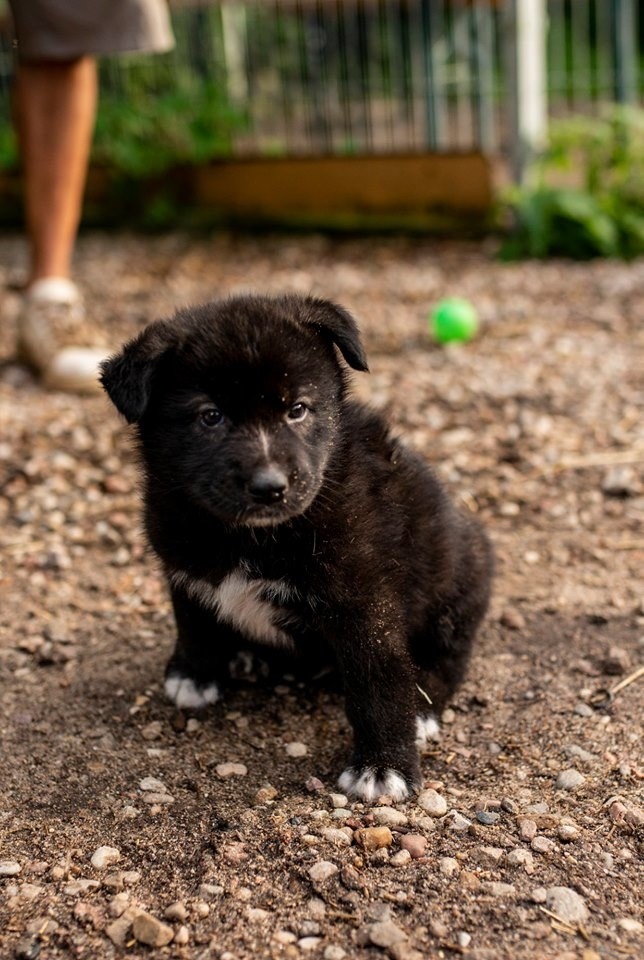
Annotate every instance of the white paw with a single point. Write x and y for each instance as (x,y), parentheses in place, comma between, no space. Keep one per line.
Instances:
(427,728)
(368,786)
(186,695)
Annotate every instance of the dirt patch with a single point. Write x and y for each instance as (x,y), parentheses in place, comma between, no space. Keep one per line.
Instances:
(538,427)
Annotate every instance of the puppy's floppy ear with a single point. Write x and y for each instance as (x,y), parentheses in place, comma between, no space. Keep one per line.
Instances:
(127,376)
(341,327)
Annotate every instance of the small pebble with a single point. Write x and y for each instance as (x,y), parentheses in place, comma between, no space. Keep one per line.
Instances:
(201,909)
(158,799)
(374,838)
(543,845)
(104,857)
(118,904)
(463,939)
(620,481)
(400,859)
(487,817)
(630,925)
(527,829)
(182,936)
(521,858)
(458,822)
(309,943)
(432,803)
(583,710)
(492,853)
(151,783)
(119,930)
(147,929)
(567,832)
(336,836)
(74,887)
(539,895)
(284,937)
(152,731)
(296,749)
(176,911)
(569,779)
(509,805)
(314,785)
(385,934)
(9,868)
(498,889)
(114,881)
(388,817)
(257,914)
(226,770)
(567,904)
(265,795)
(333,952)
(235,852)
(438,929)
(316,908)
(448,866)
(338,800)
(322,870)
(415,844)
(512,619)
(617,661)
(210,891)
(574,751)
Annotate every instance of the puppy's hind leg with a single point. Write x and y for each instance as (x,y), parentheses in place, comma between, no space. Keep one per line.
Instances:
(441,650)
(196,671)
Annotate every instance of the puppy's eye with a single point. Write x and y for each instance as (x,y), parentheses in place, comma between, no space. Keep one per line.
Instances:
(298,411)
(210,417)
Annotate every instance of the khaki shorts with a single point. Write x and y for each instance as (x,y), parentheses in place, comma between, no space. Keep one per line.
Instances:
(68,29)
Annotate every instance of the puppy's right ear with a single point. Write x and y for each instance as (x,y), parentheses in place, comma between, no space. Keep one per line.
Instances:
(127,376)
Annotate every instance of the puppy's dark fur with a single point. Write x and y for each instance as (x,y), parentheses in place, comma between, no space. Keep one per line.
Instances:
(284,513)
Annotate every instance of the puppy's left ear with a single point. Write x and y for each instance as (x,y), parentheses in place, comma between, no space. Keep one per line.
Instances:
(340,326)
(127,377)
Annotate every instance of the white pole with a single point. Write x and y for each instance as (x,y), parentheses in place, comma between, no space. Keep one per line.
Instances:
(527,86)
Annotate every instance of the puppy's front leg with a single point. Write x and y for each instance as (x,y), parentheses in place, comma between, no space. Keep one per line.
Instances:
(379,688)
(197,668)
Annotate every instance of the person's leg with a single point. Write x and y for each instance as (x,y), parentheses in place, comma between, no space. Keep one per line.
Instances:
(56,103)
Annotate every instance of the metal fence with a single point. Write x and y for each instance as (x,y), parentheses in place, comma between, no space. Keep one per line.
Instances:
(379,76)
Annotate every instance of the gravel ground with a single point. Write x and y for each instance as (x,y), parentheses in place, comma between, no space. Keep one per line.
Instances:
(125,823)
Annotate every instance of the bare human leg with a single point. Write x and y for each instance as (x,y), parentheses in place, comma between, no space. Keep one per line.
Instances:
(56,104)
(56,110)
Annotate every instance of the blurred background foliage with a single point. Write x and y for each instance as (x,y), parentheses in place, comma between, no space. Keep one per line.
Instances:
(585,197)
(367,77)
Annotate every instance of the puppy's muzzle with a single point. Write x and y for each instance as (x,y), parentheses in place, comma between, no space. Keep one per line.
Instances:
(268,485)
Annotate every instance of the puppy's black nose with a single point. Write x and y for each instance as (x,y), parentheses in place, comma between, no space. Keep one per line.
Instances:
(268,485)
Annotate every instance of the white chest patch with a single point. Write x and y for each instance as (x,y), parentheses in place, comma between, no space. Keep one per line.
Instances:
(249,606)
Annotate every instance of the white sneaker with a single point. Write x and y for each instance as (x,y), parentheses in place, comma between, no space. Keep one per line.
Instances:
(51,324)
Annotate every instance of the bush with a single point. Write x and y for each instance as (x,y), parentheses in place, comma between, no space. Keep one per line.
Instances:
(156,117)
(161,120)
(602,214)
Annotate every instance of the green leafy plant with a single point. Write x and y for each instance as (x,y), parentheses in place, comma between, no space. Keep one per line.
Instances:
(162,118)
(157,117)
(586,196)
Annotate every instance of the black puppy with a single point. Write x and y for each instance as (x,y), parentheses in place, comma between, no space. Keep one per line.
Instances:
(285,514)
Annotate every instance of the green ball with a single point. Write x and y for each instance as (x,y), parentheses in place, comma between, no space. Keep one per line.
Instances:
(453,319)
